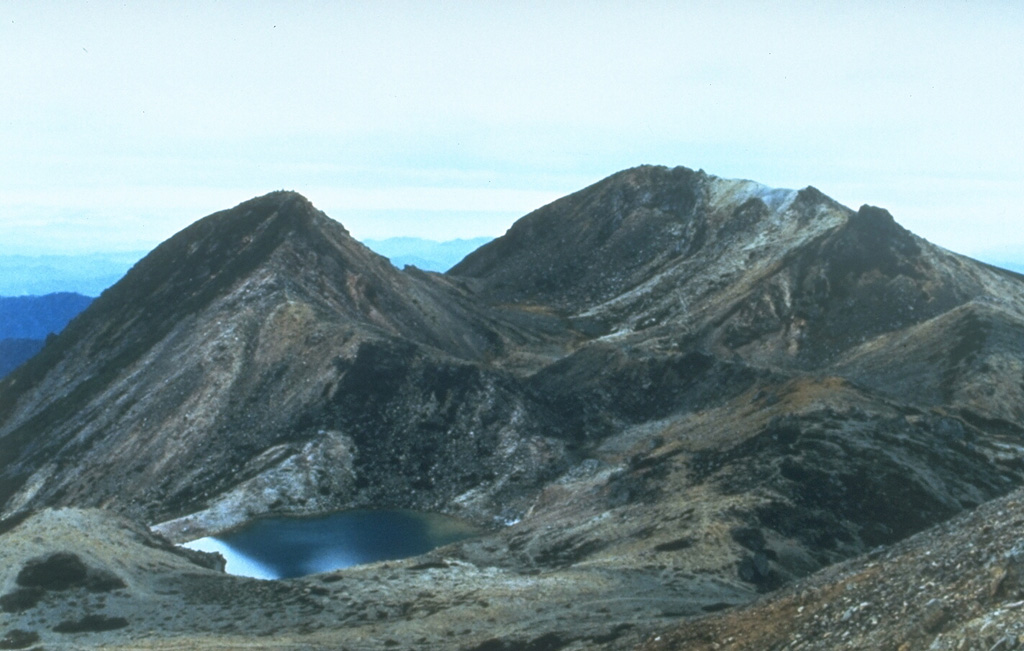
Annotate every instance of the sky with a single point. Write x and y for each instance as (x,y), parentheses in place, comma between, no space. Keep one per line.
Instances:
(122,123)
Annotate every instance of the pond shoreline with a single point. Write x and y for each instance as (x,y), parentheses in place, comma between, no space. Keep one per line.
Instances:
(292,546)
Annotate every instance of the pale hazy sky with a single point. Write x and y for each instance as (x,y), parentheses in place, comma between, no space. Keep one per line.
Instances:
(121,123)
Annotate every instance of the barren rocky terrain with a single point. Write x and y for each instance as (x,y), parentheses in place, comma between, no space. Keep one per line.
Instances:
(959,585)
(677,404)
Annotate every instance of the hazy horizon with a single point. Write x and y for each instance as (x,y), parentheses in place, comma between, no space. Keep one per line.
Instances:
(91,273)
(124,124)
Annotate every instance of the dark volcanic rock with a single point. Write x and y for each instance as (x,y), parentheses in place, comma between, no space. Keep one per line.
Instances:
(64,570)
(18,639)
(58,571)
(600,388)
(91,624)
(596,243)
(848,484)
(20,599)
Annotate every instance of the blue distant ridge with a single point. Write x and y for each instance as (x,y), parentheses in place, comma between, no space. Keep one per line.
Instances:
(36,317)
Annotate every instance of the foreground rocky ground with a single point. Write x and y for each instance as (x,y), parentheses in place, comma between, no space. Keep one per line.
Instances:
(73,579)
(76,579)
(957,586)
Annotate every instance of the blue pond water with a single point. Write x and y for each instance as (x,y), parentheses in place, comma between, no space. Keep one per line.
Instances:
(280,548)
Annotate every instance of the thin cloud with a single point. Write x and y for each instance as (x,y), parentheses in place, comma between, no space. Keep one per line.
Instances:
(379,110)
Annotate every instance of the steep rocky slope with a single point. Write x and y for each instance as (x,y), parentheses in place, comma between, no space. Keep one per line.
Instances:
(210,362)
(958,586)
(683,259)
(696,388)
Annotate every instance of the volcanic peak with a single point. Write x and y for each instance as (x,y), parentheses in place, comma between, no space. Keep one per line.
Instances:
(249,230)
(187,272)
(615,236)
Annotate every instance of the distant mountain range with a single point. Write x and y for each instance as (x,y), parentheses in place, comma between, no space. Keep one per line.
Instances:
(90,274)
(26,322)
(15,352)
(35,317)
(427,255)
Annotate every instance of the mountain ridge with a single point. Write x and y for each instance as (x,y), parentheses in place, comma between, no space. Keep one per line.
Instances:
(26,322)
(701,386)
(36,317)
(246,266)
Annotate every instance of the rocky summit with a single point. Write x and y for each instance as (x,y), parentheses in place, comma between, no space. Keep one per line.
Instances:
(689,412)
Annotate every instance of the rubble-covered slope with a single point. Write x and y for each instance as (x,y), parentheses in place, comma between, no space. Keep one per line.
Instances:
(958,586)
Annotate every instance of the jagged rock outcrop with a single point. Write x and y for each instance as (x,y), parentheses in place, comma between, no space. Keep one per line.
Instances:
(700,388)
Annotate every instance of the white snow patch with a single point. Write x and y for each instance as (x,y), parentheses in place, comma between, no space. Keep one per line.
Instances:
(737,191)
